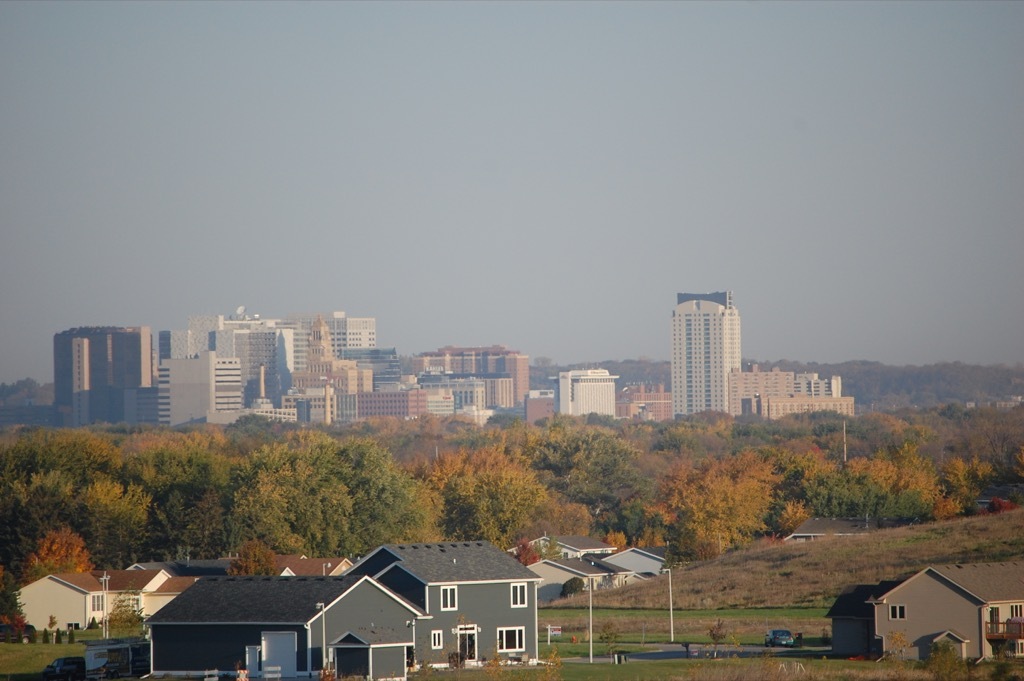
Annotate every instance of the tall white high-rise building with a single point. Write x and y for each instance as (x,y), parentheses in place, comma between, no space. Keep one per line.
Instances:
(705,348)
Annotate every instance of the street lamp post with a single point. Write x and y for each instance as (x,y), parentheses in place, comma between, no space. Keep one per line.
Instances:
(590,624)
(105,580)
(671,611)
(322,607)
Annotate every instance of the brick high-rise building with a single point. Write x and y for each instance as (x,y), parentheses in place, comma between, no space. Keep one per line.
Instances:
(96,369)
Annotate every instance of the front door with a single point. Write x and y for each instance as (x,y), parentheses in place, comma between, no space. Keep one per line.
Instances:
(467,642)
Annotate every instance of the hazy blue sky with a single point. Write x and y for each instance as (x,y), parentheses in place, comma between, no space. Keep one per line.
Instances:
(541,175)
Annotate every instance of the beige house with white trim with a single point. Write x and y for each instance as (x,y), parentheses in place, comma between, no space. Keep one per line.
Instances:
(978,608)
(74,599)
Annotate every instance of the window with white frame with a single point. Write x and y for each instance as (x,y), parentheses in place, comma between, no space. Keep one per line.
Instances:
(511,639)
(519,595)
(97,602)
(437,639)
(449,598)
(1017,610)
(897,612)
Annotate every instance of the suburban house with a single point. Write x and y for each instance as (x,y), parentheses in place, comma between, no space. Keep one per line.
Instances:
(285,627)
(648,560)
(573,546)
(291,565)
(853,620)
(481,601)
(76,598)
(595,573)
(1006,492)
(818,528)
(978,608)
(187,568)
(298,565)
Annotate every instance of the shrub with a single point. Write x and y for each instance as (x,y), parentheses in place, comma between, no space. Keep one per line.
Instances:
(572,587)
(944,662)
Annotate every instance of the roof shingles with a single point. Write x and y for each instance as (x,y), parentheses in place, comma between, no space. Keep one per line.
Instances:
(476,561)
(249,599)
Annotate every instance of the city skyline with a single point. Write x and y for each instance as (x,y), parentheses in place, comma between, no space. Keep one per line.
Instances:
(541,175)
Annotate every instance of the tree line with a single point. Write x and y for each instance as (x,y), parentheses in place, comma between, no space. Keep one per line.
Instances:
(702,485)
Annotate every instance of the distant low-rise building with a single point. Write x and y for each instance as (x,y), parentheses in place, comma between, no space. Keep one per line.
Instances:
(196,390)
(493,361)
(538,405)
(774,394)
(587,391)
(402,404)
(644,403)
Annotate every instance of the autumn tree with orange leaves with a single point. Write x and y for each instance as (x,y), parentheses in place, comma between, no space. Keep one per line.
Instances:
(717,504)
(59,551)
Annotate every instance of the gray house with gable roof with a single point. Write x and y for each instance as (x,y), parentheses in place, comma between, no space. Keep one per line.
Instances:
(481,602)
(295,624)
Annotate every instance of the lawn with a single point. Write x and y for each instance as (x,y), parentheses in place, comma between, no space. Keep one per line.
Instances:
(23,661)
(742,625)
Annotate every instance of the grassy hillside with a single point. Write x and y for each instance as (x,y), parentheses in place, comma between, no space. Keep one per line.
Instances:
(811,574)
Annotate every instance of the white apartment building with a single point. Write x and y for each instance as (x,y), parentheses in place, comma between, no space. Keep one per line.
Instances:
(705,348)
(196,389)
(590,391)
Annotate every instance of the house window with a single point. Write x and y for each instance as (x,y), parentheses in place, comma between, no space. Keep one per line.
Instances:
(511,639)
(437,639)
(519,595)
(97,603)
(449,598)
(1017,610)
(897,612)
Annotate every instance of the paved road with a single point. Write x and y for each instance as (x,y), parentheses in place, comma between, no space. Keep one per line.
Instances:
(668,651)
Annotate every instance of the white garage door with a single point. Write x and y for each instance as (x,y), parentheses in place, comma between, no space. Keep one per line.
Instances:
(279,650)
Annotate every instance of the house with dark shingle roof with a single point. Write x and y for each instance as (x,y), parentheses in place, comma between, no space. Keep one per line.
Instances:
(573,545)
(481,601)
(297,624)
(187,568)
(288,565)
(643,560)
(853,620)
(819,528)
(978,608)
(75,598)
(595,573)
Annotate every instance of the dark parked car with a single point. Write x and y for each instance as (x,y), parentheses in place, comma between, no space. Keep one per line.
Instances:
(9,633)
(779,637)
(65,669)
